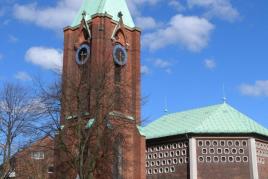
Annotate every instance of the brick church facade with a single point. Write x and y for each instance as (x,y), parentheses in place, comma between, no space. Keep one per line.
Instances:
(101,90)
(205,143)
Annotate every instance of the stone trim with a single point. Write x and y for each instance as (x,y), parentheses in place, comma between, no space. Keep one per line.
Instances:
(253,159)
(193,158)
(121,115)
(102,15)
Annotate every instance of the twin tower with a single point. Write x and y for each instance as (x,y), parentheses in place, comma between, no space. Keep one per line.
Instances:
(101,84)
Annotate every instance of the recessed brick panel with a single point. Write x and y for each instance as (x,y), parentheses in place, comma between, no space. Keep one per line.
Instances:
(262,158)
(223,158)
(167,160)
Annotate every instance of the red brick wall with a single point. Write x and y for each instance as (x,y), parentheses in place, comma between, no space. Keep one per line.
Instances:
(101,46)
(167,160)
(223,158)
(101,52)
(27,167)
(133,150)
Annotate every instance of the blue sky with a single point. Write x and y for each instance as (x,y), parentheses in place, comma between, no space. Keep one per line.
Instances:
(190,49)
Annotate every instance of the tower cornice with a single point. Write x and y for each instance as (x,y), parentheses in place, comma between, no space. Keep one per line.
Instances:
(102,15)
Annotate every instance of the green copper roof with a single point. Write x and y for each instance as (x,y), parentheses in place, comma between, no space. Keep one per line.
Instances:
(218,119)
(141,130)
(90,123)
(111,7)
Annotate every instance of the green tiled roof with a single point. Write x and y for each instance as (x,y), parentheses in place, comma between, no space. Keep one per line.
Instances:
(217,119)
(111,7)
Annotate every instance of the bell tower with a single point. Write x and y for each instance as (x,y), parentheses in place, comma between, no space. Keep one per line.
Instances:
(103,40)
(101,79)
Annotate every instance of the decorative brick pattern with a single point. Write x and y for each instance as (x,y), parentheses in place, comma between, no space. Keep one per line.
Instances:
(222,151)
(262,152)
(262,158)
(166,158)
(222,158)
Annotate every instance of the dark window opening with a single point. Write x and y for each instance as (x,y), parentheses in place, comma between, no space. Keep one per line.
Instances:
(50,169)
(117,75)
(117,79)
(118,157)
(117,98)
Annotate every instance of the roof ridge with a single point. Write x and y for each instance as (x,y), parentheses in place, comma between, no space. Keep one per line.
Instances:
(181,112)
(192,109)
(255,123)
(219,106)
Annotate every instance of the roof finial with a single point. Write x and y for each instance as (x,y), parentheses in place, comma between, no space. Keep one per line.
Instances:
(84,13)
(120,14)
(166,106)
(224,94)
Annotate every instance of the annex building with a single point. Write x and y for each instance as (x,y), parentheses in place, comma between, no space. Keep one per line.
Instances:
(206,143)
(214,142)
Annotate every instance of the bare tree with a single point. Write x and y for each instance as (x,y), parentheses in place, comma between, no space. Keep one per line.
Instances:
(88,138)
(49,95)
(18,114)
(84,139)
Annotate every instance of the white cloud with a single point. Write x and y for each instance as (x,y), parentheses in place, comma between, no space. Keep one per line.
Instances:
(51,17)
(47,58)
(12,39)
(134,5)
(163,64)
(176,5)
(260,88)
(191,32)
(145,70)
(146,22)
(222,9)
(64,12)
(23,76)
(210,64)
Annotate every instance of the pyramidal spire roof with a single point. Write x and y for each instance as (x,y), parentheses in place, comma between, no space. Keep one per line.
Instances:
(217,119)
(111,7)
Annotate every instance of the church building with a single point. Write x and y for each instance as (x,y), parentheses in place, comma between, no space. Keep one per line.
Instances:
(101,117)
(214,142)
